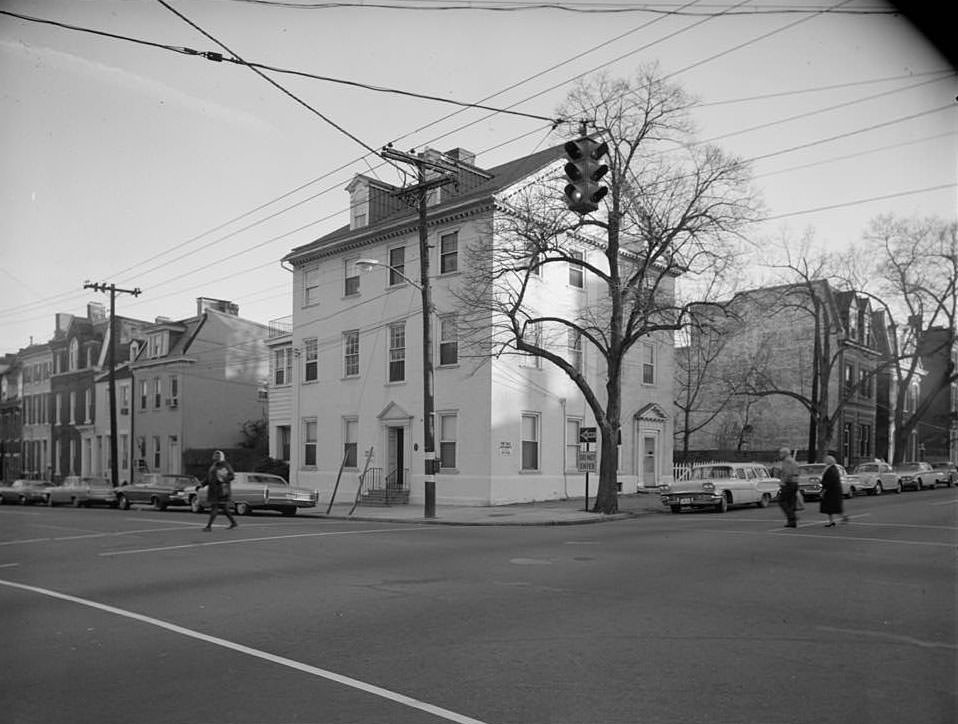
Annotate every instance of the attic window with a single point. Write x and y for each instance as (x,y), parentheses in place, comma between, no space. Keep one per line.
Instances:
(156,345)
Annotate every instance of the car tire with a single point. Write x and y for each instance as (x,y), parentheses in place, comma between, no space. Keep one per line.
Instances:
(48,500)
(764,501)
(195,505)
(157,504)
(288,511)
(676,509)
(122,503)
(76,502)
(22,500)
(242,508)
(878,488)
(722,505)
(900,488)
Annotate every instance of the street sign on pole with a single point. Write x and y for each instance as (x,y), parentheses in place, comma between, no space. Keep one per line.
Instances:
(587,461)
(587,434)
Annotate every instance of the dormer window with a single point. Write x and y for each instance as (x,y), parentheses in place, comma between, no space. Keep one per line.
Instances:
(358,202)
(156,345)
(74,354)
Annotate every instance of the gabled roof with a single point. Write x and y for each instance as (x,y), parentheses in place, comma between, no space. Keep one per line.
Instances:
(502,177)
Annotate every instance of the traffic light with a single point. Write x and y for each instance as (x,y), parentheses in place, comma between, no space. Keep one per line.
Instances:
(583,193)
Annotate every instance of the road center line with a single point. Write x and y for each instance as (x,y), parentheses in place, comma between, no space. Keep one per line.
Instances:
(892,637)
(234,541)
(256,653)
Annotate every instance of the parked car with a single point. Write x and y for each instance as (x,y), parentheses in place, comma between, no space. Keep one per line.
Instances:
(23,491)
(875,477)
(81,491)
(810,481)
(260,491)
(946,473)
(158,490)
(917,475)
(721,485)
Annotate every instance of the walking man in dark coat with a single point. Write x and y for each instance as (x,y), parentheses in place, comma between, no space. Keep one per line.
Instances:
(218,480)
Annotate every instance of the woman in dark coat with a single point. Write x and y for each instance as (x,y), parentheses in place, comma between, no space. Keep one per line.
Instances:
(218,480)
(832,502)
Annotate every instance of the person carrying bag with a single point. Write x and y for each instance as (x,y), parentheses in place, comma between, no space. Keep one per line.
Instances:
(219,489)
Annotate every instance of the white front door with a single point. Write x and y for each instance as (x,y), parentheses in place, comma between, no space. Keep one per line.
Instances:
(649,462)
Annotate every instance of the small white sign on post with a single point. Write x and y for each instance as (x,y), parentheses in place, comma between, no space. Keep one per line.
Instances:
(586,461)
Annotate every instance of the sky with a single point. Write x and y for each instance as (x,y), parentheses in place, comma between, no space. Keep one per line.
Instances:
(126,161)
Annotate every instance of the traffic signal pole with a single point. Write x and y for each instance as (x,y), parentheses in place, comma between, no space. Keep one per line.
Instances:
(113,290)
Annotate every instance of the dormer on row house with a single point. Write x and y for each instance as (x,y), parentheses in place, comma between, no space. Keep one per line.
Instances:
(506,427)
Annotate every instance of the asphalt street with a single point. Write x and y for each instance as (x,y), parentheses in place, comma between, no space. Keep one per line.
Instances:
(139,616)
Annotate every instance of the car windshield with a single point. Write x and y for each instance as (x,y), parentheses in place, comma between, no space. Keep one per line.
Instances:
(271,479)
(909,466)
(941,466)
(866,468)
(711,471)
(812,469)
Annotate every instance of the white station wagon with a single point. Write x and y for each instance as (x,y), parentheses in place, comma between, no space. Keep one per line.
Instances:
(721,485)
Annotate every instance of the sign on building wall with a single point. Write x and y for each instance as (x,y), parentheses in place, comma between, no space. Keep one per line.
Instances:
(505,447)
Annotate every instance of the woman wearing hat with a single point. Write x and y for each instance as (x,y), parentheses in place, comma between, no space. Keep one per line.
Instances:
(218,480)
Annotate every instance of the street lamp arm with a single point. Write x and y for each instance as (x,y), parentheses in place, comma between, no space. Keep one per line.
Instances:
(367,264)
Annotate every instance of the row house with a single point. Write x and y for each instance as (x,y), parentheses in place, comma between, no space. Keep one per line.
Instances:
(936,435)
(347,374)
(775,334)
(193,383)
(11,423)
(36,410)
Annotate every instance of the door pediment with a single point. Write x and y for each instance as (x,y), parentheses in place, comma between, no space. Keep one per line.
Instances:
(651,413)
(394,412)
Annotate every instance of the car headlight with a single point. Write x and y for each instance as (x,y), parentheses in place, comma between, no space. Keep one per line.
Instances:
(665,489)
(708,487)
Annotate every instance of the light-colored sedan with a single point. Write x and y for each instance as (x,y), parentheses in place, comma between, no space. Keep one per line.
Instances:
(260,491)
(915,474)
(721,485)
(875,477)
(82,491)
(810,481)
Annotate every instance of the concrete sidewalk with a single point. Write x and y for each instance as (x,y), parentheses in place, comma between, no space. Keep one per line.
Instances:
(552,512)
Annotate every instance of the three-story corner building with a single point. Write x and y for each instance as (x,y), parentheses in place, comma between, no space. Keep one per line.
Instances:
(506,428)
(194,383)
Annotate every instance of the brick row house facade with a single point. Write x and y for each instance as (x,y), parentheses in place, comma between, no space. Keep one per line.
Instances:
(182,384)
(773,335)
(11,418)
(347,381)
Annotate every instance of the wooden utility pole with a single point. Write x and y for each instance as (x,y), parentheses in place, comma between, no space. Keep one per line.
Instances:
(113,290)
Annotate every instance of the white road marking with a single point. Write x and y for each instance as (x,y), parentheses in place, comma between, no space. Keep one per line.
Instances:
(234,541)
(892,637)
(89,535)
(9,565)
(256,653)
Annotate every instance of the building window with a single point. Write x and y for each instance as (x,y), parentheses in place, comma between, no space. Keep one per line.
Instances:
(572,426)
(448,434)
(73,407)
(156,345)
(350,445)
(309,442)
(350,278)
(59,417)
(144,392)
(397,352)
(74,362)
(311,360)
(533,335)
(283,435)
(849,380)
(397,265)
(156,453)
(576,274)
(864,383)
(157,393)
(448,340)
(351,353)
(846,442)
(283,366)
(449,253)
(124,452)
(648,364)
(124,399)
(574,343)
(90,405)
(310,286)
(530,442)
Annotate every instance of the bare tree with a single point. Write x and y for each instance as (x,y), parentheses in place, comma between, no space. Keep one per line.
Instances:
(674,208)
(909,267)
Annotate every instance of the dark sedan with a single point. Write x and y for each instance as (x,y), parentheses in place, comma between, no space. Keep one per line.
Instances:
(158,490)
(24,491)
